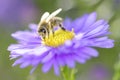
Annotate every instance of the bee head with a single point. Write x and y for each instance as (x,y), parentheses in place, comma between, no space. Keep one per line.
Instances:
(42,30)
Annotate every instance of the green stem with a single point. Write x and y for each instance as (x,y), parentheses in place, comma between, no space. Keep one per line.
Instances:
(68,74)
(117,71)
(73,74)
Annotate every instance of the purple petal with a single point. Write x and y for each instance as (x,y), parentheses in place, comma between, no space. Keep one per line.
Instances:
(96,30)
(89,21)
(60,60)
(14,46)
(83,55)
(18,61)
(47,66)
(33,27)
(79,59)
(25,64)
(56,68)
(90,51)
(69,61)
(40,50)
(96,24)
(48,57)
(26,36)
(79,23)
(67,24)
(108,43)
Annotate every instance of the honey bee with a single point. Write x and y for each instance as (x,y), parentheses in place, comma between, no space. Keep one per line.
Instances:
(48,22)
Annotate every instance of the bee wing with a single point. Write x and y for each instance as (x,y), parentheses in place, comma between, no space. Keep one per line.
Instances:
(53,14)
(44,16)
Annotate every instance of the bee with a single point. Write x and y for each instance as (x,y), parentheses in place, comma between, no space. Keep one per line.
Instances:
(48,22)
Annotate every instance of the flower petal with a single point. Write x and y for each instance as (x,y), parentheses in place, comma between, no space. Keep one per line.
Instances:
(90,20)
(67,24)
(90,51)
(70,61)
(48,57)
(56,68)
(46,66)
(79,59)
(30,37)
(79,23)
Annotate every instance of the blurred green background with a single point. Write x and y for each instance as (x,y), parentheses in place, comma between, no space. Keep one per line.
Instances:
(17,14)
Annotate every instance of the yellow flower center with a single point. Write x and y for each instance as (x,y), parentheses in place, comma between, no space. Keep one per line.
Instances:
(58,38)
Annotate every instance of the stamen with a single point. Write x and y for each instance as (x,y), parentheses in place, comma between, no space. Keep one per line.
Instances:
(59,37)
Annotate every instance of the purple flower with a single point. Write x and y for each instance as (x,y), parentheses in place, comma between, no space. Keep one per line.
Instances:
(96,72)
(86,34)
(17,12)
(99,72)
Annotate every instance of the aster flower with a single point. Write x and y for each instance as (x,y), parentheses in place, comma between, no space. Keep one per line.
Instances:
(65,48)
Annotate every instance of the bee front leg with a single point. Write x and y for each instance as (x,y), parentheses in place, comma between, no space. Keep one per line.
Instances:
(47,33)
(61,26)
(52,31)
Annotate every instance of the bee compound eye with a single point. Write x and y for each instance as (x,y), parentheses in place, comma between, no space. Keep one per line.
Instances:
(42,30)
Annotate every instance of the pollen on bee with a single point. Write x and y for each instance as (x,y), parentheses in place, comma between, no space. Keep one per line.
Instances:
(60,36)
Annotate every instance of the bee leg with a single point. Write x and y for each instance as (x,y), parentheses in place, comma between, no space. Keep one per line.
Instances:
(60,25)
(48,33)
(42,37)
(53,32)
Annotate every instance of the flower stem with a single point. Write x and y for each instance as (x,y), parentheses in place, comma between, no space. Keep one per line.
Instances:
(117,71)
(68,74)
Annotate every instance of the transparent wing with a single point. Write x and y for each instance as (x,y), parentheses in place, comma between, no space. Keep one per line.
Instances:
(44,16)
(53,14)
